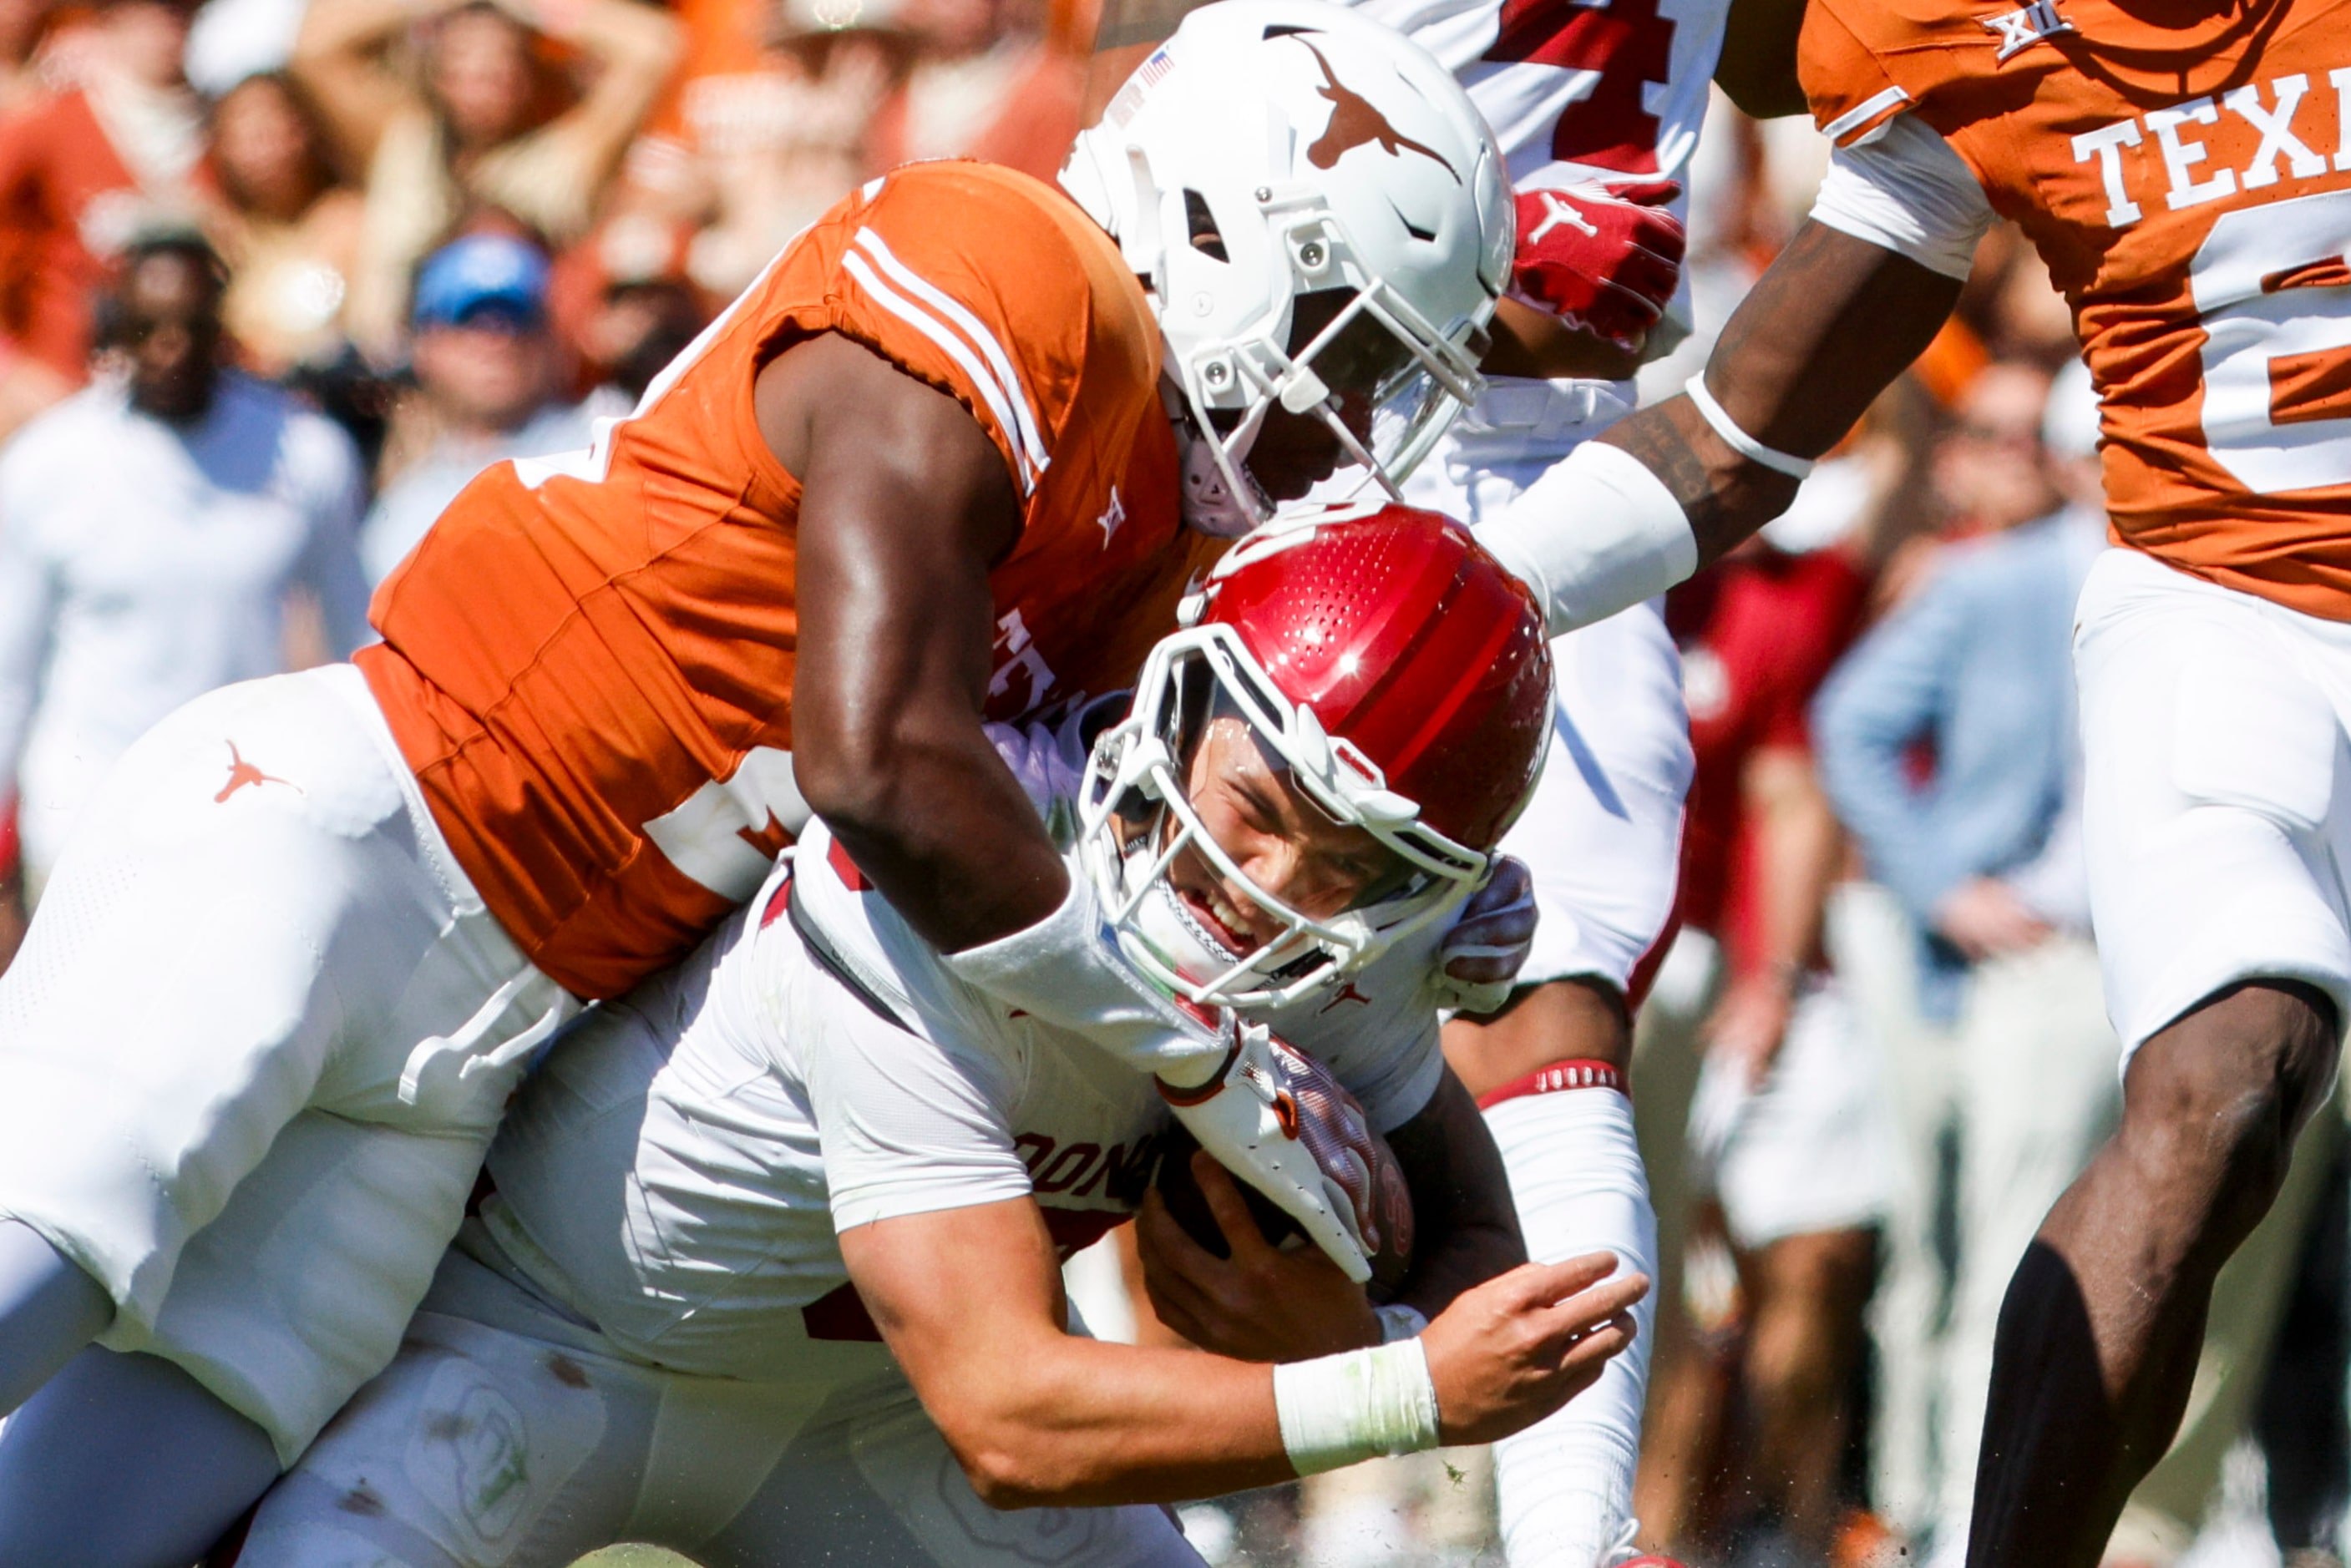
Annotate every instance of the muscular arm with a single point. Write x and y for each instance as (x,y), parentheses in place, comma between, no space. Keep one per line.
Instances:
(905,504)
(970,1301)
(1818,338)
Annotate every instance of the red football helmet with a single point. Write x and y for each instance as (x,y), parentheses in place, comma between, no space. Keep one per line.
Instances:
(1401,675)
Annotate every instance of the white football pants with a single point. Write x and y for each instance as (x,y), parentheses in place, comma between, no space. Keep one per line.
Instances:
(254,1047)
(507,1434)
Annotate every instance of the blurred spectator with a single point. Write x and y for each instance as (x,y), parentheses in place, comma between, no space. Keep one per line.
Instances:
(152,528)
(472,130)
(230,40)
(1785,1128)
(290,232)
(1974,670)
(486,378)
(985,83)
(23,25)
(78,175)
(637,327)
(757,151)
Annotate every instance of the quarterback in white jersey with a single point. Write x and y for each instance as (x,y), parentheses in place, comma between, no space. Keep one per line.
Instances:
(1597,110)
(768,1270)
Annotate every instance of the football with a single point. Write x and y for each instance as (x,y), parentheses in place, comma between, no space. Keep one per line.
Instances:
(1391,1261)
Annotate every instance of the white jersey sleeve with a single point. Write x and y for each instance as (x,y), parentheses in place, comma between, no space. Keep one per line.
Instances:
(1580,93)
(1907,191)
(908,1126)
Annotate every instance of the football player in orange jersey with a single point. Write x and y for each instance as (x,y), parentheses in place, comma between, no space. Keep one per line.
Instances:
(2187,181)
(933,468)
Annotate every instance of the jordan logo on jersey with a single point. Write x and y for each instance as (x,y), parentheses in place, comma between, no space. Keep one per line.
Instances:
(1356,121)
(2020,29)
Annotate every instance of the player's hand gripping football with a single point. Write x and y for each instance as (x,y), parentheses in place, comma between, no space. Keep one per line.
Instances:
(1510,1352)
(1258,1301)
(1605,258)
(1279,1119)
(1489,944)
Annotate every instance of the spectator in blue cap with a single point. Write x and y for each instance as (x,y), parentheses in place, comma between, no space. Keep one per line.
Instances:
(485,368)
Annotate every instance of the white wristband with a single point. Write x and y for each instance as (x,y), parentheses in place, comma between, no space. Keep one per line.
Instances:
(1341,1409)
(1596,533)
(1065,970)
(1739,441)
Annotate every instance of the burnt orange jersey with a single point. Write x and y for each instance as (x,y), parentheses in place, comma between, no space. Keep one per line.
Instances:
(587,661)
(2185,173)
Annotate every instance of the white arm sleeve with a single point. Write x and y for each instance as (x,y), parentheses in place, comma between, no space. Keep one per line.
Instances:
(1598,533)
(1067,971)
(1906,192)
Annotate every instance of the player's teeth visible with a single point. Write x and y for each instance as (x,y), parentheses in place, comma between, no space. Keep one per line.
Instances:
(1222,907)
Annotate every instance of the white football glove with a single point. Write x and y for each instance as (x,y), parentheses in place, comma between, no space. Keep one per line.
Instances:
(1279,1120)
(1480,957)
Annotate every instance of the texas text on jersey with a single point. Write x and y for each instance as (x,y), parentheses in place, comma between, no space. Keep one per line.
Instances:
(608,753)
(2194,209)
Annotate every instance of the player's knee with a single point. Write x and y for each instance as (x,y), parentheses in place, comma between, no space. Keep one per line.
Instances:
(2216,1100)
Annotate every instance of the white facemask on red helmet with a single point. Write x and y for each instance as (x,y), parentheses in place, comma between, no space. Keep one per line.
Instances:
(1401,677)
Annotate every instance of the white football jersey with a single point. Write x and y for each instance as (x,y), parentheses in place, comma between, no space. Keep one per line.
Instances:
(677,1172)
(1576,92)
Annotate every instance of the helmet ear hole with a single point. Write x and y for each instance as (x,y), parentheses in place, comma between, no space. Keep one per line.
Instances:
(1200,225)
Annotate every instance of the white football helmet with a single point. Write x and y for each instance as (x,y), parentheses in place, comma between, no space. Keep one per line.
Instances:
(1277,150)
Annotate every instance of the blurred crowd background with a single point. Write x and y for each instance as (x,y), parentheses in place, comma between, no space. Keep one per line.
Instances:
(278,276)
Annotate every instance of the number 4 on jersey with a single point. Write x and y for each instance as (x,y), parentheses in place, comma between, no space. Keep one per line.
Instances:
(1625,43)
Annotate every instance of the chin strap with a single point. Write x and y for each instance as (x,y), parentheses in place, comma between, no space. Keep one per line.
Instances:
(1207,501)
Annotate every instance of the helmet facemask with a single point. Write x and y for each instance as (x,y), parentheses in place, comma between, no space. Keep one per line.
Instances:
(1339,345)
(1139,823)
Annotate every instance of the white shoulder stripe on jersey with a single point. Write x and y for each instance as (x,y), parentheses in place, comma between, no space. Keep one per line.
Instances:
(974,329)
(1862,113)
(991,390)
